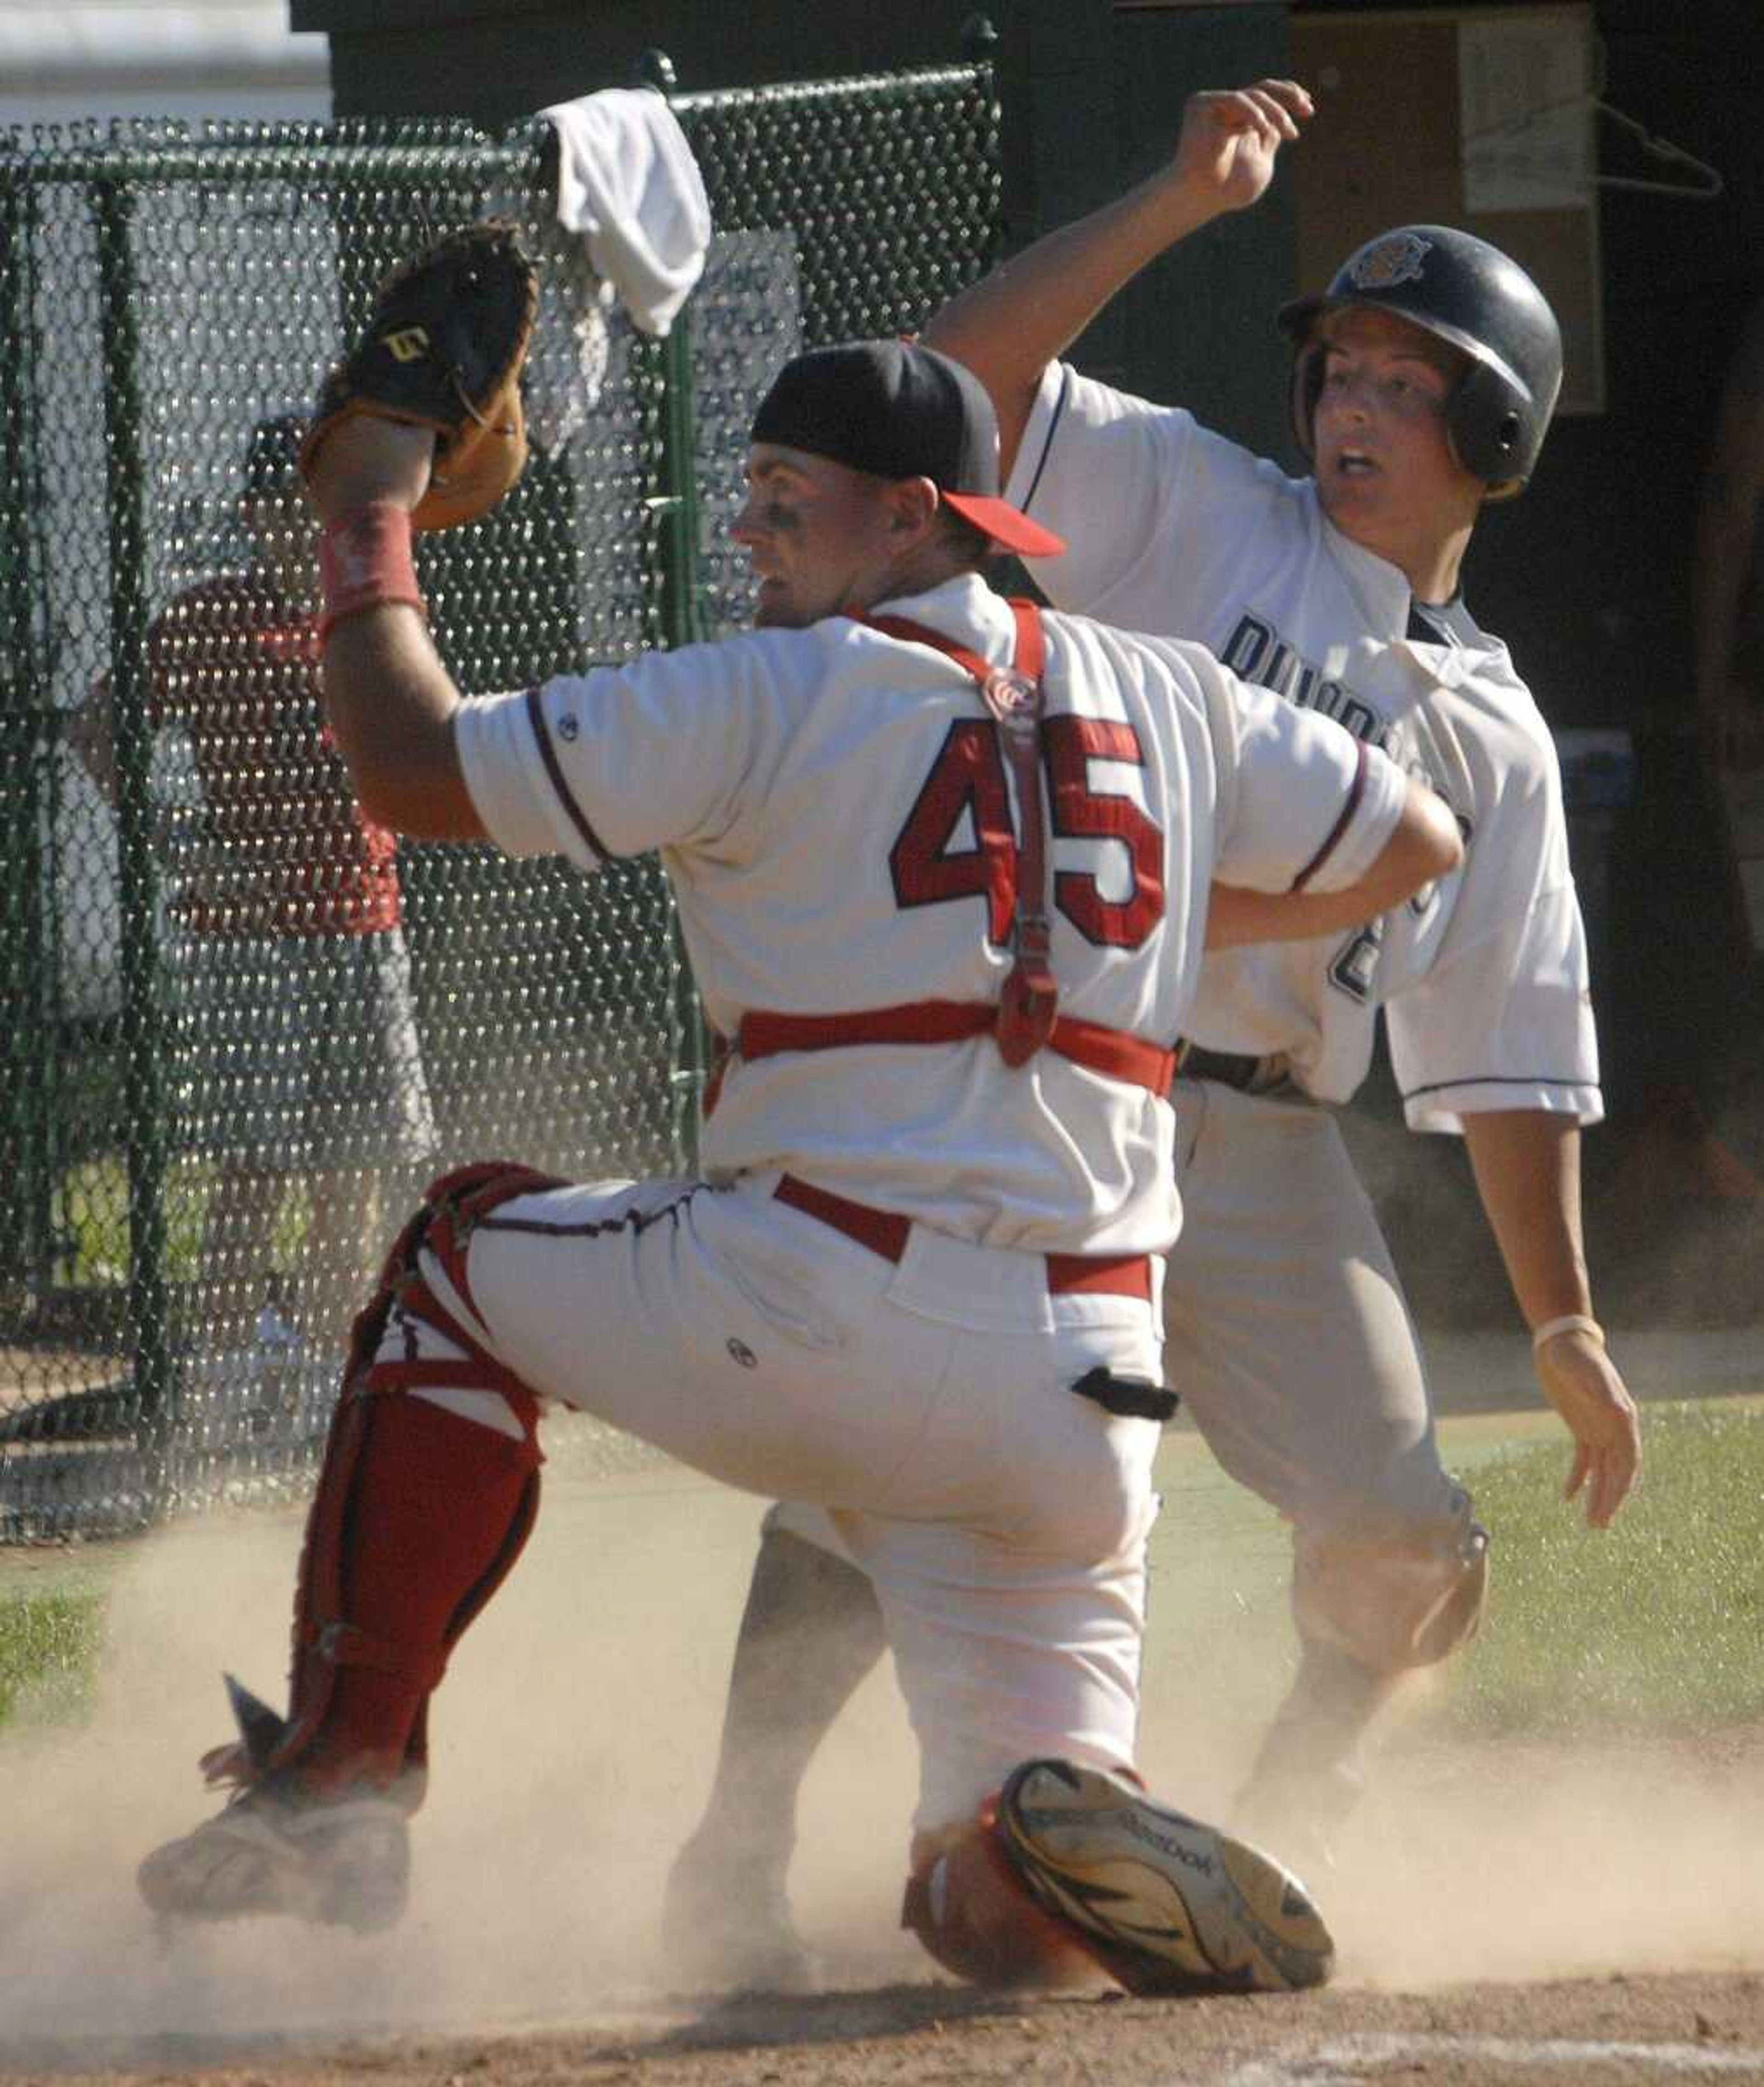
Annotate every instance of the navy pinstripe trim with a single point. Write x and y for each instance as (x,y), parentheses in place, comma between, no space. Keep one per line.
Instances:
(1053,422)
(535,714)
(1498,1080)
(1357,791)
(629,1221)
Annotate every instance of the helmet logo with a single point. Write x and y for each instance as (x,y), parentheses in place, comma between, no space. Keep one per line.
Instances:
(1397,258)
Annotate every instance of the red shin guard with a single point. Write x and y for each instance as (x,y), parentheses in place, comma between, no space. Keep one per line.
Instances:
(419,1517)
(439,1511)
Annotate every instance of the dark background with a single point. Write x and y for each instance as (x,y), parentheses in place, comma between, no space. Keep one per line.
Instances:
(1587,576)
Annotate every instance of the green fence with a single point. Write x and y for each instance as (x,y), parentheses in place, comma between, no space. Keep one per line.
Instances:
(237,1031)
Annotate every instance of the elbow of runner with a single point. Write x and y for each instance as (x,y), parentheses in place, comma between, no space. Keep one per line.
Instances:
(1425,847)
(1445,842)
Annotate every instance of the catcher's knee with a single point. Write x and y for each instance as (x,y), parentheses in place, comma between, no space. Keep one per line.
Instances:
(419,1334)
(973,1914)
(1392,1594)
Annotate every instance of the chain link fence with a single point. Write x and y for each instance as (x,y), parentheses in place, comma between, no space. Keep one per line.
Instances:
(241,1026)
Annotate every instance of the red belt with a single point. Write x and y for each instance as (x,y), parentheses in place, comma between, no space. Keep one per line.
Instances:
(885,1232)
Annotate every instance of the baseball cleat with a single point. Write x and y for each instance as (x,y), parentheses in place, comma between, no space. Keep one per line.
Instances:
(1166,1901)
(727,1927)
(340,1861)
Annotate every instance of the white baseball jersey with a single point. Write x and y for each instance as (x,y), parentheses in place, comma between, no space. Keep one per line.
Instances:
(1483,977)
(835,818)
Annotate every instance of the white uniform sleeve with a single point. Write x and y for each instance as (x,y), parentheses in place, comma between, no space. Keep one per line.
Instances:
(1155,508)
(1310,808)
(1503,1019)
(658,753)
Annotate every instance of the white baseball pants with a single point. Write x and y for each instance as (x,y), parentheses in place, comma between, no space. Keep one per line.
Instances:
(926,1404)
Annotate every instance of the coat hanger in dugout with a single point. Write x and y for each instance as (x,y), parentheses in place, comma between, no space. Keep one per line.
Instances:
(1692,180)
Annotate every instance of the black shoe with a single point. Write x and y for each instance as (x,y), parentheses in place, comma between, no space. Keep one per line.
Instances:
(341,1860)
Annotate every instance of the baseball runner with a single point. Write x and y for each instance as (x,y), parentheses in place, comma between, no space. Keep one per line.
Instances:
(917,1283)
(1424,380)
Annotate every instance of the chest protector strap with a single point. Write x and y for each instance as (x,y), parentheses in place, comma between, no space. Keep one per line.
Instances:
(1013,694)
(1112,1052)
(1028,1016)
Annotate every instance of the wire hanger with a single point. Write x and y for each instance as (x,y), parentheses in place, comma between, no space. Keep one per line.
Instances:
(1702,182)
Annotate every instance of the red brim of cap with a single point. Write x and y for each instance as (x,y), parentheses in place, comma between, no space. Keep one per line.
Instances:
(1007,526)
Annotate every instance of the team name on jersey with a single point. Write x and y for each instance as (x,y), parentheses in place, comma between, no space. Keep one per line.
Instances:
(1256,652)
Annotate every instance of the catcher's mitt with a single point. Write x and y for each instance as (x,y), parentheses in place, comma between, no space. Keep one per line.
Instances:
(444,349)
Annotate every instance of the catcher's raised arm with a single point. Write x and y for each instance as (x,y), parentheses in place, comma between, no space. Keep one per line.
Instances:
(418,427)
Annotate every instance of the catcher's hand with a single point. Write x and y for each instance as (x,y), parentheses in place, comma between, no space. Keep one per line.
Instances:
(444,350)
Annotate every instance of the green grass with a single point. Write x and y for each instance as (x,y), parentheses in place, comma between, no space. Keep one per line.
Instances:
(91,1211)
(1657,1623)
(50,1637)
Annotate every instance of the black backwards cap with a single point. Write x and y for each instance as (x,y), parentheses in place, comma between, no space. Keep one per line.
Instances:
(896,410)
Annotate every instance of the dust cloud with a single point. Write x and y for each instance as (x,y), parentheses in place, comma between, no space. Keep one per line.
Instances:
(1480,1859)
(573,1740)
(1527,1862)
(572,1744)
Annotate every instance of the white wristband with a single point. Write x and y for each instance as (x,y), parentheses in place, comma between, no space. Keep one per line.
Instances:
(1570,1322)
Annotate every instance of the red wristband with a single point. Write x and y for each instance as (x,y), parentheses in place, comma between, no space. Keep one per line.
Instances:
(365,559)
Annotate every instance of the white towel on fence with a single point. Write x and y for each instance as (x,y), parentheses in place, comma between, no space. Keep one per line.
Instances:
(628,182)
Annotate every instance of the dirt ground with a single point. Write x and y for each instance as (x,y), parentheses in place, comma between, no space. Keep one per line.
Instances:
(1578,2033)
(1516,1916)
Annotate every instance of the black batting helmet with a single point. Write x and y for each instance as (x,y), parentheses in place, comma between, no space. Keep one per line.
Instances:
(1461,290)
